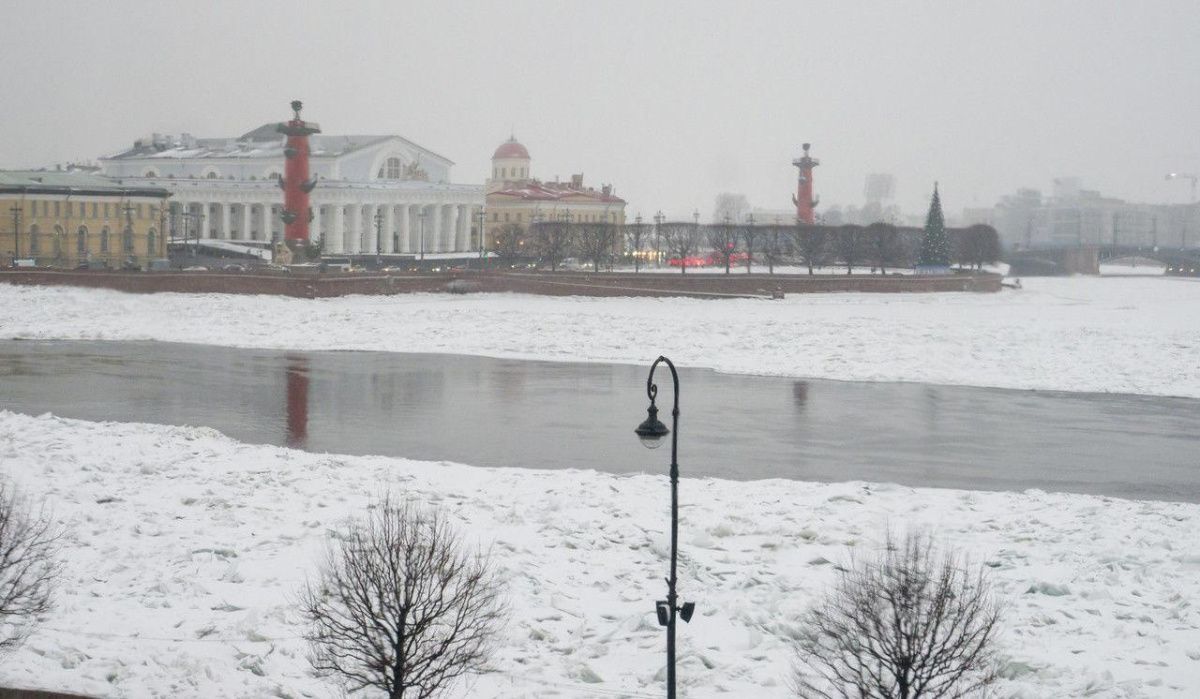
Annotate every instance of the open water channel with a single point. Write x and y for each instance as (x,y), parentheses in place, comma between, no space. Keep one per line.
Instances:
(498,412)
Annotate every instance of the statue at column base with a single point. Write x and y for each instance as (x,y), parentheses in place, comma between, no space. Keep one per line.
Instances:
(295,252)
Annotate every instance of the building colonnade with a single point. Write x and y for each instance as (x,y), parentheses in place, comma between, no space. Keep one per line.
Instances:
(362,221)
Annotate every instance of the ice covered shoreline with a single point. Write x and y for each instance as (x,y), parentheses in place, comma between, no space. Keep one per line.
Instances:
(1127,335)
(185,547)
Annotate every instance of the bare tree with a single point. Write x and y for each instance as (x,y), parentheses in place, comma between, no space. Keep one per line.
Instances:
(722,238)
(848,243)
(509,242)
(596,242)
(883,240)
(812,244)
(910,623)
(778,242)
(634,235)
(975,245)
(401,606)
(552,241)
(750,234)
(29,566)
(682,239)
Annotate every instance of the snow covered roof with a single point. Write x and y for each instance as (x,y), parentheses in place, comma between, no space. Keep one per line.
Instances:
(262,142)
(554,191)
(78,183)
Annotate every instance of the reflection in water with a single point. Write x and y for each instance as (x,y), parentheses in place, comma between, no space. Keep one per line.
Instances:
(800,396)
(297,401)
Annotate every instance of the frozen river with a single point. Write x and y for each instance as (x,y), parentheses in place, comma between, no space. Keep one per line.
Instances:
(494,412)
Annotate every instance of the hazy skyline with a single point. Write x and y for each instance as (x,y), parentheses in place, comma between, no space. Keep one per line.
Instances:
(670,102)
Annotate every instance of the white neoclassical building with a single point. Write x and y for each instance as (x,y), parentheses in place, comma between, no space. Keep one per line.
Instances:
(375,193)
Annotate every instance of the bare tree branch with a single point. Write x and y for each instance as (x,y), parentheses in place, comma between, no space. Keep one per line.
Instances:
(400,606)
(29,566)
(908,624)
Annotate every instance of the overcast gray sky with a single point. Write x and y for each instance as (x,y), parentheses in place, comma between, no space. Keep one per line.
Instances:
(671,102)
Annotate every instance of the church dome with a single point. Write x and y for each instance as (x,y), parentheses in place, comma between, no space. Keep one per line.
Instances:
(510,149)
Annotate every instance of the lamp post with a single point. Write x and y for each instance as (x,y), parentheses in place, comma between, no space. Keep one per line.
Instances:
(482,240)
(658,219)
(16,212)
(379,237)
(637,241)
(651,432)
(421,221)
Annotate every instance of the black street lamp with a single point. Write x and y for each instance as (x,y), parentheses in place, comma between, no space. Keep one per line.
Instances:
(658,221)
(651,432)
(637,242)
(378,237)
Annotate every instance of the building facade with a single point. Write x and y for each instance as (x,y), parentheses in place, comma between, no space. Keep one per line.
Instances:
(374,194)
(1072,217)
(515,197)
(71,220)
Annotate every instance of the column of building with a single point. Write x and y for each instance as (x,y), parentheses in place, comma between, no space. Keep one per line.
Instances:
(405,243)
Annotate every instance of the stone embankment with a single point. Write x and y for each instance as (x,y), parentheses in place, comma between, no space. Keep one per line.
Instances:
(311,285)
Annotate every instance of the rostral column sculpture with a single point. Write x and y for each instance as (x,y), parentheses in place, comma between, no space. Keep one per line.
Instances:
(296,183)
(804,201)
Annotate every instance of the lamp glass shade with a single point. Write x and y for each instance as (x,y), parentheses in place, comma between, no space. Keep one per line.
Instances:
(652,430)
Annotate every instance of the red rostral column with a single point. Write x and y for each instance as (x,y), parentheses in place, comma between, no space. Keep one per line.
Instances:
(296,183)
(804,190)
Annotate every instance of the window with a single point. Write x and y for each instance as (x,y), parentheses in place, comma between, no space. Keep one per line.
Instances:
(81,241)
(506,217)
(151,242)
(95,208)
(211,176)
(58,241)
(504,172)
(393,169)
(151,173)
(104,239)
(495,216)
(127,240)
(34,242)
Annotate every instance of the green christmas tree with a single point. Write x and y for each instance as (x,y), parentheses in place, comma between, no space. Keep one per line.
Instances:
(935,246)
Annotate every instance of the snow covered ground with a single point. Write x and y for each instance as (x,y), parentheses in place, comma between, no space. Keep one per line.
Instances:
(184,550)
(1132,335)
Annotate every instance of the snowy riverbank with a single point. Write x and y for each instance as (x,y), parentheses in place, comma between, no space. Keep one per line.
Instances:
(1125,335)
(185,548)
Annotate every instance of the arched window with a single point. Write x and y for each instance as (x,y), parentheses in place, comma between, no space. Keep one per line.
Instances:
(212,175)
(35,243)
(81,246)
(127,240)
(150,173)
(58,241)
(151,241)
(104,239)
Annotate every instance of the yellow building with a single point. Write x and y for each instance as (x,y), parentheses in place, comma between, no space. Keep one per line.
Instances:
(72,220)
(514,196)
